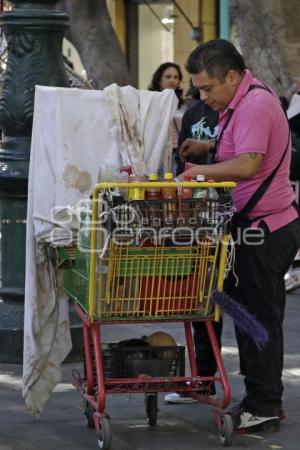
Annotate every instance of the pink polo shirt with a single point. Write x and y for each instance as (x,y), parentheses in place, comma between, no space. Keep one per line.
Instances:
(258,125)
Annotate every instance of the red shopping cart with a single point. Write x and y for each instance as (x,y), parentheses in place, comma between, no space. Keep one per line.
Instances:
(148,261)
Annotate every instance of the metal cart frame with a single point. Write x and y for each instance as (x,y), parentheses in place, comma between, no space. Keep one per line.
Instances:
(95,386)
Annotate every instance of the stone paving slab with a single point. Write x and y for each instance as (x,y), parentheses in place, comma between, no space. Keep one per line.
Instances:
(62,425)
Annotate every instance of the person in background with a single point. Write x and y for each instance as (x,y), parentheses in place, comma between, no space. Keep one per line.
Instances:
(291,103)
(169,76)
(200,123)
(253,149)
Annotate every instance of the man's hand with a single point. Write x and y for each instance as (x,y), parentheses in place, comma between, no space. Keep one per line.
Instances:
(192,172)
(241,167)
(192,147)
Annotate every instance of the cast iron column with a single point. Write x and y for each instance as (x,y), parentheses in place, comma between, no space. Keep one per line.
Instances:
(34,31)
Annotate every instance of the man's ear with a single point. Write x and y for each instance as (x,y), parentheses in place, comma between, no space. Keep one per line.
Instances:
(233,78)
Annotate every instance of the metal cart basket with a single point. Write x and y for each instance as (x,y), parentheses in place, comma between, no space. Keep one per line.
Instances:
(149,260)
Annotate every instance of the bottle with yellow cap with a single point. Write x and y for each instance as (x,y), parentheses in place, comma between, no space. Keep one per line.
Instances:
(136,193)
(152,193)
(170,195)
(168,176)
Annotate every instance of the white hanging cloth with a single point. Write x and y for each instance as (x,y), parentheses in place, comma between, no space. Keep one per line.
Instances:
(74,131)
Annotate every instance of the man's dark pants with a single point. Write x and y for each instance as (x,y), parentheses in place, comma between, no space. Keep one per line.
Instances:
(206,362)
(261,290)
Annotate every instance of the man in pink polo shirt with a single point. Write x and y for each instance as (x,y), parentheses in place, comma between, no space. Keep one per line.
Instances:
(253,146)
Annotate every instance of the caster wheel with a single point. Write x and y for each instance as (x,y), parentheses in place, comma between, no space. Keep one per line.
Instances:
(104,434)
(226,430)
(89,413)
(151,408)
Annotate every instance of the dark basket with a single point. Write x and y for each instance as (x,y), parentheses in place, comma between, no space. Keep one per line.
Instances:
(174,214)
(120,361)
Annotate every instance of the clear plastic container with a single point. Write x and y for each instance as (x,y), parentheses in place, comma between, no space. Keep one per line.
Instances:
(183,195)
(106,173)
(121,177)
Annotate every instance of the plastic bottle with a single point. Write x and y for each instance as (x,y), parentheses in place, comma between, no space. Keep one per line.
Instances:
(121,193)
(126,169)
(187,192)
(200,192)
(212,197)
(153,208)
(152,193)
(136,193)
(167,191)
(212,194)
(106,173)
(184,194)
(169,194)
(200,206)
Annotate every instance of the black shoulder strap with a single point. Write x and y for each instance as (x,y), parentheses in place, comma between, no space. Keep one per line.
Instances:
(257,195)
(263,86)
(231,111)
(228,118)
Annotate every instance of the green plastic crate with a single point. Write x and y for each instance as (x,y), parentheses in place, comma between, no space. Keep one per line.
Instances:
(76,275)
(148,261)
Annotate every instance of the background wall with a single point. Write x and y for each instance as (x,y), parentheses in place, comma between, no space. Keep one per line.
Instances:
(116,10)
(156,44)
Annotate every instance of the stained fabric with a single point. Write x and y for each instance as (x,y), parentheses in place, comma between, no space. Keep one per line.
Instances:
(72,135)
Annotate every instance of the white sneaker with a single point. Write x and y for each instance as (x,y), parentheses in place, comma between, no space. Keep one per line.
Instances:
(179,399)
(244,420)
(292,280)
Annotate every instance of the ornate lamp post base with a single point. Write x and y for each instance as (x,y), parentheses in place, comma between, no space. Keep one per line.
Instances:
(12,331)
(34,31)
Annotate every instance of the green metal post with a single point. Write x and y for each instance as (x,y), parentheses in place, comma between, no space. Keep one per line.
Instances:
(34,31)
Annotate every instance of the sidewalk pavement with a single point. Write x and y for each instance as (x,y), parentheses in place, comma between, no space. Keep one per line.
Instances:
(62,425)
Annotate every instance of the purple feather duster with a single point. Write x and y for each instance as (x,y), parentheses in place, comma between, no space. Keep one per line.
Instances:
(243,320)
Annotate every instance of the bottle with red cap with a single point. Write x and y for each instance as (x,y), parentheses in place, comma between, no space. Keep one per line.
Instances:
(187,192)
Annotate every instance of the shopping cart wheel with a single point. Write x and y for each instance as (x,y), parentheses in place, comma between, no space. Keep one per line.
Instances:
(104,434)
(151,408)
(226,430)
(89,412)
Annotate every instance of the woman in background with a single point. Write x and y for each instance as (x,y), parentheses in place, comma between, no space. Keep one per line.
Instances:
(169,76)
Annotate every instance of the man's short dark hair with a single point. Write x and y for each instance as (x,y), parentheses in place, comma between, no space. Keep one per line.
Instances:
(216,57)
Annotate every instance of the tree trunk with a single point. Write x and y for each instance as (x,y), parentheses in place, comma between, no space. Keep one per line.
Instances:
(96,42)
(268,34)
